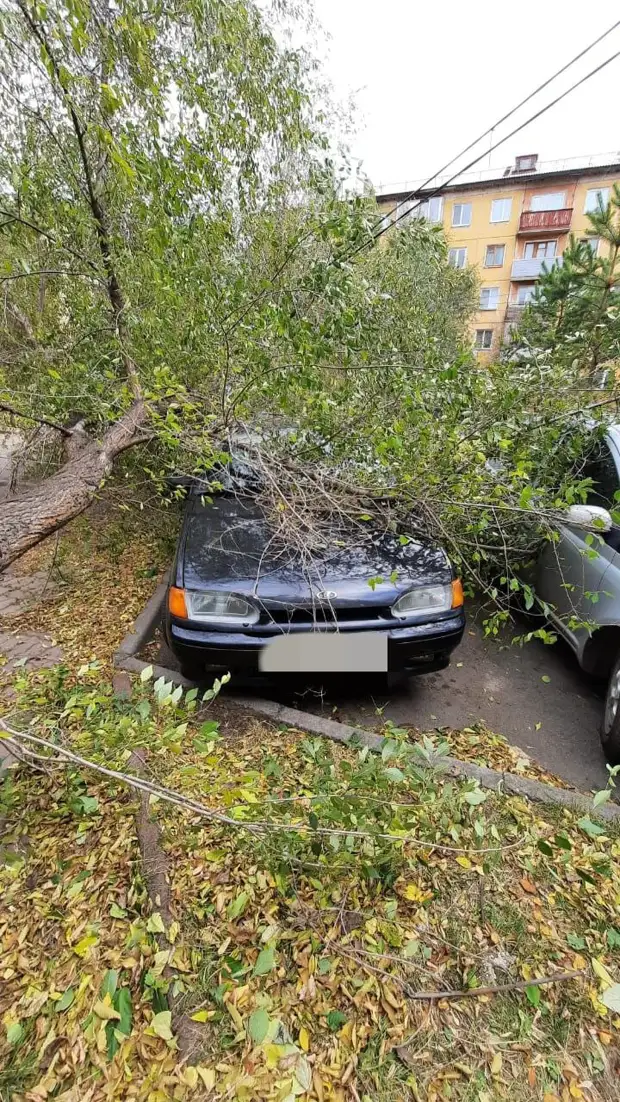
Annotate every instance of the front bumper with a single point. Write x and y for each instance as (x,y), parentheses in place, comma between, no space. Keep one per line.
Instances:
(418,648)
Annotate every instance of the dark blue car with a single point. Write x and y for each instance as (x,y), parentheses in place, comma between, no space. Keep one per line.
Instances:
(239,601)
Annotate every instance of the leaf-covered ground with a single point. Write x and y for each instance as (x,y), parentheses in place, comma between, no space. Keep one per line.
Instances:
(301,948)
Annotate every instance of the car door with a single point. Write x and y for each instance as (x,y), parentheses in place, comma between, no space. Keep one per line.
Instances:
(576,584)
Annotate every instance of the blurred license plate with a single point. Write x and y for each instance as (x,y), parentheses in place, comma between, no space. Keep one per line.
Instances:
(323,652)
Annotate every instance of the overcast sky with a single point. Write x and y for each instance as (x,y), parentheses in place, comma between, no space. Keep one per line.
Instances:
(430,77)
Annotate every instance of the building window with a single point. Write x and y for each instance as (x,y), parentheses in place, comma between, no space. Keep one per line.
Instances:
(484,338)
(524,293)
(596,198)
(489,298)
(591,243)
(551,200)
(457,257)
(494,256)
(461,214)
(431,209)
(540,250)
(501,210)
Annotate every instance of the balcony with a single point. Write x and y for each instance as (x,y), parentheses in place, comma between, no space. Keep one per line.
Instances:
(541,221)
(532,269)
(514,313)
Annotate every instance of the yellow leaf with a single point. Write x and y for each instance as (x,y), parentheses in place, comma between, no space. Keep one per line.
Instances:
(173,932)
(85,944)
(161,1025)
(304,1039)
(575,1091)
(235,1015)
(208,1076)
(103,1009)
(203,1015)
(550,1097)
(413,893)
(189,1076)
(496,1064)
(464,862)
(602,972)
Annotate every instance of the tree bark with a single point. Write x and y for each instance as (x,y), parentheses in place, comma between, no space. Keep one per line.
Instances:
(43,509)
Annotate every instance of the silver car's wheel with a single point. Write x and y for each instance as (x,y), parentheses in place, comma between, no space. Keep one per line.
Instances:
(610,727)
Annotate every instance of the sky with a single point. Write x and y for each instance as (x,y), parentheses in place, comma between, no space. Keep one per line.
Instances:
(427,78)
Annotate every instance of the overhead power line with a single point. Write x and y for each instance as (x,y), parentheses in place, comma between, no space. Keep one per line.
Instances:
(517,129)
(512,112)
(373,237)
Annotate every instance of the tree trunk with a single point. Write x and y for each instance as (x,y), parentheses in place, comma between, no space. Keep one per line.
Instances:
(52,503)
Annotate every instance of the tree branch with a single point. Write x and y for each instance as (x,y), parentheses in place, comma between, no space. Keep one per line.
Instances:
(6,408)
(115,293)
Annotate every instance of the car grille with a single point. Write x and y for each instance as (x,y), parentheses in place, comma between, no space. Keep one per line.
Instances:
(323,614)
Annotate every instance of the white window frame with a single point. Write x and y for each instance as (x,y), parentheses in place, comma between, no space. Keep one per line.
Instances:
(462,206)
(453,254)
(525,287)
(425,209)
(551,199)
(596,191)
(482,347)
(504,217)
(486,254)
(492,294)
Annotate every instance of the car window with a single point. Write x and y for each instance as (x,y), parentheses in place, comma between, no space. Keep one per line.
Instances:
(600,466)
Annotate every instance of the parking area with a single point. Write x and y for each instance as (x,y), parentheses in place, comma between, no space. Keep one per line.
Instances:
(536,696)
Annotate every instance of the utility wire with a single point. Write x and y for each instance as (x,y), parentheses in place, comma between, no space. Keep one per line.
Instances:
(509,114)
(373,237)
(512,133)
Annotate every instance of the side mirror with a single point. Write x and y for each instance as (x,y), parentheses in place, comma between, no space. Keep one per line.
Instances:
(592,517)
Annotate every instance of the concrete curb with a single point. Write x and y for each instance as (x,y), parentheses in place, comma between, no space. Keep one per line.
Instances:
(143,626)
(507,783)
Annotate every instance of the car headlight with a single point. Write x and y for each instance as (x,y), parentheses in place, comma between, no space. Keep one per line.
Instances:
(427,598)
(212,606)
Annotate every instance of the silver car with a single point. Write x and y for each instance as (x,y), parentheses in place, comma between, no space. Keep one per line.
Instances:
(578,578)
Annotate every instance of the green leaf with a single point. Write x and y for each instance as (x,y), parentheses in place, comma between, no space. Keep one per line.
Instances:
(533,994)
(161,1024)
(109,983)
(593,829)
(155,924)
(611,998)
(122,1003)
(146,674)
(65,1000)
(90,804)
(545,677)
(475,798)
(325,966)
(14,1033)
(576,942)
(265,962)
(394,774)
(237,905)
(545,848)
(258,1025)
(335,1020)
(117,912)
(562,842)
(601,797)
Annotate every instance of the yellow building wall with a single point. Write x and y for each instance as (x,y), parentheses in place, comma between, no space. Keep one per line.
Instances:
(482,232)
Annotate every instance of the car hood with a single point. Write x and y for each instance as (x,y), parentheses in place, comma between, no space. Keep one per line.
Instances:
(228,545)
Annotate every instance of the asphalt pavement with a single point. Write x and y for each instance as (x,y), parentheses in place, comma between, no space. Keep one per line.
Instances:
(554,720)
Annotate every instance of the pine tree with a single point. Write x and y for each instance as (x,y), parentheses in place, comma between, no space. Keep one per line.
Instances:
(574,316)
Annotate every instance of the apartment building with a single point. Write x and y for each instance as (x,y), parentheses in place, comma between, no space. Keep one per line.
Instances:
(509,225)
